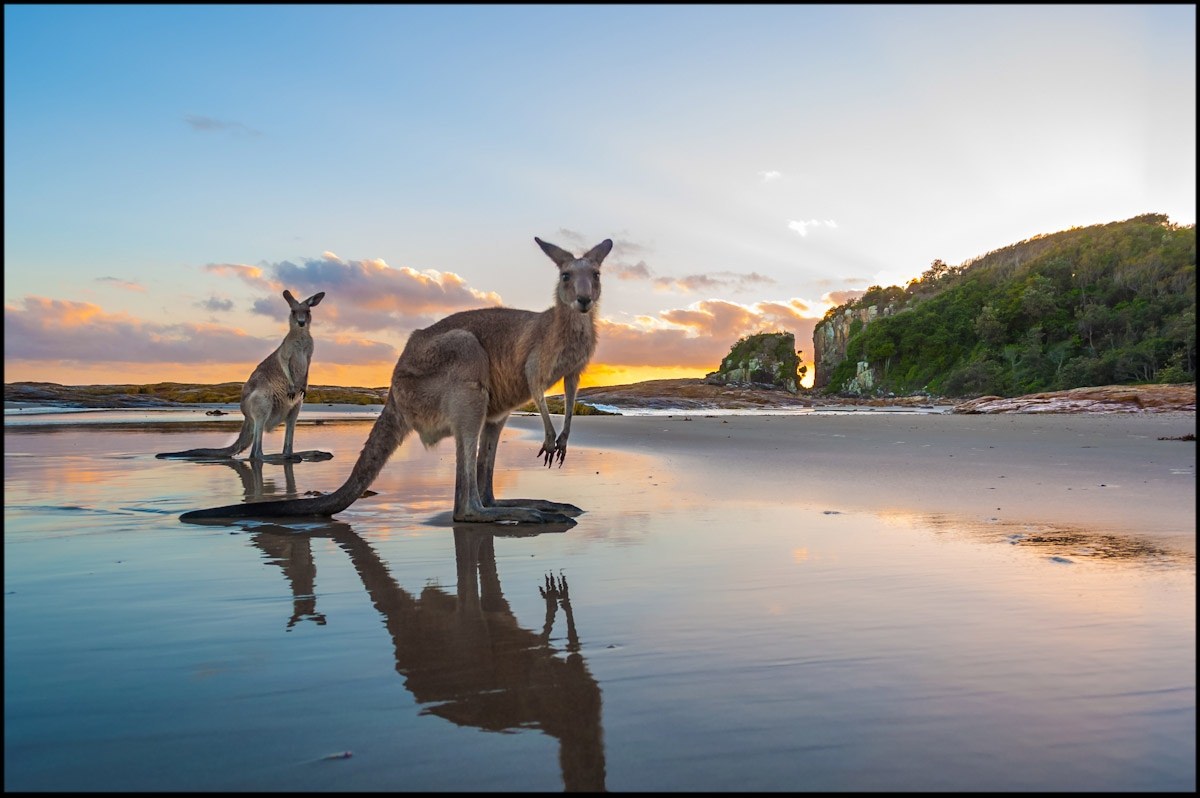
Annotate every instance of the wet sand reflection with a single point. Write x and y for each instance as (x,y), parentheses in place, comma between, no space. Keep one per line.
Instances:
(464,657)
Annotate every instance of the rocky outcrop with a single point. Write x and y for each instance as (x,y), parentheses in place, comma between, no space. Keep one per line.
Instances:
(167,394)
(1099,399)
(765,359)
(86,396)
(829,344)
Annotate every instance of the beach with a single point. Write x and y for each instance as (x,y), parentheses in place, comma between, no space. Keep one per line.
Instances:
(855,600)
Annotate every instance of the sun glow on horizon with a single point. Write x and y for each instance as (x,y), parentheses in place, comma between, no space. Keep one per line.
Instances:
(378,375)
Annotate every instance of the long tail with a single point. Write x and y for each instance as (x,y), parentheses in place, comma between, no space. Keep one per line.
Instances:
(245,438)
(389,431)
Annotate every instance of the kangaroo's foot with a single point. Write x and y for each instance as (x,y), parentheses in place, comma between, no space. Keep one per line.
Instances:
(308,456)
(525,515)
(278,458)
(189,456)
(543,505)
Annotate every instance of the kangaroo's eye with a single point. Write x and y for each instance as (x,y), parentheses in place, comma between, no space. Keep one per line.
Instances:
(596,276)
(566,277)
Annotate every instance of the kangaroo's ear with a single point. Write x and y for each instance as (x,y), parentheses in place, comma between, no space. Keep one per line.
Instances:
(291,300)
(598,252)
(315,299)
(557,254)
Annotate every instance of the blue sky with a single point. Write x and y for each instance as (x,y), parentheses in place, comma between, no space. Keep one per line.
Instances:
(170,169)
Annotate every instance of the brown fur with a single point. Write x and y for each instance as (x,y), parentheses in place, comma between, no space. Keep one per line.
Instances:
(275,390)
(461,377)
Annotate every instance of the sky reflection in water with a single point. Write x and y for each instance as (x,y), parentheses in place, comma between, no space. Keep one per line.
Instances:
(703,643)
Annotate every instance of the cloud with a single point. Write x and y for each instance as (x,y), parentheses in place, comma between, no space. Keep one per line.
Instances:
(370,295)
(41,329)
(206,124)
(251,275)
(623,271)
(802,227)
(770,174)
(572,237)
(215,305)
(691,283)
(117,282)
(624,248)
(619,264)
(700,335)
(835,298)
(688,284)
(694,283)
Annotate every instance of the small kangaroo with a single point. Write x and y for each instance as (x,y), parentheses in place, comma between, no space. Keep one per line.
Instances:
(462,377)
(275,391)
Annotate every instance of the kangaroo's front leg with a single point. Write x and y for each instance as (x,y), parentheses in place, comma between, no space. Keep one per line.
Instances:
(570,387)
(548,445)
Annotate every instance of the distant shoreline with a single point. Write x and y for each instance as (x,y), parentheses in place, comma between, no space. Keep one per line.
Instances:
(653,396)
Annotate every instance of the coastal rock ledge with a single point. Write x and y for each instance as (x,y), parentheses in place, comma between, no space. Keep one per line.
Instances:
(1100,399)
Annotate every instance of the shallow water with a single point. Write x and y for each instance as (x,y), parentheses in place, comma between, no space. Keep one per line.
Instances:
(708,642)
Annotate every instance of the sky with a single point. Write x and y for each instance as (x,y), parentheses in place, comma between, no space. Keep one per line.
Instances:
(170,170)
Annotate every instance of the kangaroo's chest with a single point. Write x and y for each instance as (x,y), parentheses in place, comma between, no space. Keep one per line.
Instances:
(574,353)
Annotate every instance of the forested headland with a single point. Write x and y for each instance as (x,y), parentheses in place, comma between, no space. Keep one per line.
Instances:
(1109,304)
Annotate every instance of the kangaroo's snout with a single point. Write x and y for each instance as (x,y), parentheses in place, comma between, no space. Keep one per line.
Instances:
(585,303)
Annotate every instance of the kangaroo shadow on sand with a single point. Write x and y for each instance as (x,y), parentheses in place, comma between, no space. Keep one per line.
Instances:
(463,656)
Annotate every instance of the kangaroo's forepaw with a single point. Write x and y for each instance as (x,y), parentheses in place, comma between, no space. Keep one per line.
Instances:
(549,455)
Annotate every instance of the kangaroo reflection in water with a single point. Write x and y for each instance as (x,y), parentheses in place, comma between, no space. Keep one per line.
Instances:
(464,657)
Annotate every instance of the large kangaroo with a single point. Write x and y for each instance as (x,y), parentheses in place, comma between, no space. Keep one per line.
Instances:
(275,391)
(462,376)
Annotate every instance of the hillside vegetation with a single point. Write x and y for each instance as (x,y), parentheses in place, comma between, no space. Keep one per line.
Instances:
(1111,304)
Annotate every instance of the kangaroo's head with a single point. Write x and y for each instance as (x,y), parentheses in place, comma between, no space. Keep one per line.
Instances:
(301,317)
(578,278)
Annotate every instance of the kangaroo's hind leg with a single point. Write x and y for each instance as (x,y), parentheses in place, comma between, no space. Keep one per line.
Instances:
(454,399)
(256,406)
(488,442)
(289,434)
(289,430)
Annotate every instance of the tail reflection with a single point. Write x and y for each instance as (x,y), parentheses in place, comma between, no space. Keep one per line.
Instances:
(291,552)
(464,656)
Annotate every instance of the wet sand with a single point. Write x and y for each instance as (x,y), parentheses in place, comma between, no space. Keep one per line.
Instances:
(1094,472)
(861,601)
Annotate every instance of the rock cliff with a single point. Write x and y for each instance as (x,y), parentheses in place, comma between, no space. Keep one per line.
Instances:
(829,344)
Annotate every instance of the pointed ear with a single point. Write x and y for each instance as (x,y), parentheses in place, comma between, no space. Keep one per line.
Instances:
(598,252)
(557,254)
(315,299)
(291,300)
